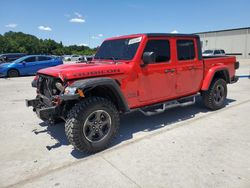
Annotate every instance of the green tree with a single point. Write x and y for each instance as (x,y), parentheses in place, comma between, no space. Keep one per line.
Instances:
(12,42)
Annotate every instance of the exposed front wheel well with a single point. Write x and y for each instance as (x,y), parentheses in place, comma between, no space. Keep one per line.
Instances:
(109,93)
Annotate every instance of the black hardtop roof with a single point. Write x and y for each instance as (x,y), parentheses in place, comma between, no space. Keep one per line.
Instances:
(170,35)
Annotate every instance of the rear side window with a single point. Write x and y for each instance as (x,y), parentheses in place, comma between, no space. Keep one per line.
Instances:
(222,51)
(30,59)
(43,58)
(185,49)
(161,48)
(217,52)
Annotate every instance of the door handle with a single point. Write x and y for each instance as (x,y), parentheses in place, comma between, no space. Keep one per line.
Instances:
(169,70)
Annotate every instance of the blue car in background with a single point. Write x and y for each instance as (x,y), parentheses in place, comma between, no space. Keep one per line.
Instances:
(28,65)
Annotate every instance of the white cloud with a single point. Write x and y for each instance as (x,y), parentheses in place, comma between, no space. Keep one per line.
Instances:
(78,14)
(96,37)
(174,31)
(11,25)
(83,44)
(77,20)
(44,28)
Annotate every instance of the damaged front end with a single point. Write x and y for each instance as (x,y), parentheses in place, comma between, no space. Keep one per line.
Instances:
(52,94)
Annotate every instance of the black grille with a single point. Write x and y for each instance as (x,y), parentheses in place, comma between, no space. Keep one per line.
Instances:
(47,88)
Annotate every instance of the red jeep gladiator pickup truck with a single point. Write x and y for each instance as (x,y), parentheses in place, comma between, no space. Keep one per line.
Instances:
(146,72)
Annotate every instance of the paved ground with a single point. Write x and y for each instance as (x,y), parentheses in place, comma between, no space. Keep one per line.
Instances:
(183,147)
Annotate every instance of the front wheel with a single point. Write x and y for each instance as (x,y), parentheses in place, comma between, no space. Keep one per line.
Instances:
(92,124)
(214,98)
(13,73)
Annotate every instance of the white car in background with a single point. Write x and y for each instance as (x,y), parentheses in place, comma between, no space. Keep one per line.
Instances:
(86,58)
(213,52)
(72,58)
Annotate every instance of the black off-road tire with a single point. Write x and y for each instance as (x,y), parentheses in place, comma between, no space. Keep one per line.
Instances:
(13,73)
(210,98)
(77,118)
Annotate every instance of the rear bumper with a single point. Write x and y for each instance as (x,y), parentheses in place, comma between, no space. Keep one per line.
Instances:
(45,113)
(234,79)
(236,65)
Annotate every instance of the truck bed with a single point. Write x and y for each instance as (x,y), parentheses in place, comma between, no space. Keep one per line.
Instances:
(228,61)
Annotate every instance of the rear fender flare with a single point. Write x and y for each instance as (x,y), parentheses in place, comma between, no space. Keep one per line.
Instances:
(210,76)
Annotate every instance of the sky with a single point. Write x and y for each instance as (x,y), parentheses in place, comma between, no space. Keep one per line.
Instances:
(89,22)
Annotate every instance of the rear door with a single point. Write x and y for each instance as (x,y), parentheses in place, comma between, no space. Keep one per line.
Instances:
(189,69)
(44,62)
(157,79)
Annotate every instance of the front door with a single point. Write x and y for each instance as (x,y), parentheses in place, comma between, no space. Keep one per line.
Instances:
(28,65)
(157,80)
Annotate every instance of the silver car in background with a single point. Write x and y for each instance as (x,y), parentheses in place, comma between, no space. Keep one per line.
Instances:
(213,52)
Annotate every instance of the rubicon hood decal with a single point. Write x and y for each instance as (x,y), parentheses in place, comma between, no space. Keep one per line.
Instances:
(67,72)
(99,72)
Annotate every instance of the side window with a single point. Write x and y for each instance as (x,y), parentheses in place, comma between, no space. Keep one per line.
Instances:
(222,51)
(216,52)
(185,49)
(43,58)
(161,48)
(30,59)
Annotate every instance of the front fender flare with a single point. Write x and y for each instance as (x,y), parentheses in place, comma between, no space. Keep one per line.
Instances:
(88,84)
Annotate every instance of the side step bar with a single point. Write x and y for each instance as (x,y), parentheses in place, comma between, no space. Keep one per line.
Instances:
(170,104)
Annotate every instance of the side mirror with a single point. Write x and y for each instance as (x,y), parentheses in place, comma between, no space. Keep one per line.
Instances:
(147,58)
(23,62)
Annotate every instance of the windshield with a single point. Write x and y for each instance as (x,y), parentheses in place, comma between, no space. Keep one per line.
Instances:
(208,52)
(20,59)
(119,49)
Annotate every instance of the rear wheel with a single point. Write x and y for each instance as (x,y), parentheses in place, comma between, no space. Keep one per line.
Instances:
(214,98)
(13,73)
(92,124)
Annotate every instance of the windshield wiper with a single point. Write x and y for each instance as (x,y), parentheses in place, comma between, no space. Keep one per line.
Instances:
(114,60)
(111,58)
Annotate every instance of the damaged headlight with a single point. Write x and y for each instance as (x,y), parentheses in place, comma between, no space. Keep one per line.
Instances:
(59,86)
(70,90)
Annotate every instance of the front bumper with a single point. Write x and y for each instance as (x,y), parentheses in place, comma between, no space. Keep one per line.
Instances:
(44,110)
(34,102)
(45,113)
(2,74)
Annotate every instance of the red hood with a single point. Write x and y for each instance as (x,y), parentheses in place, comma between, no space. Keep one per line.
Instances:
(82,70)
